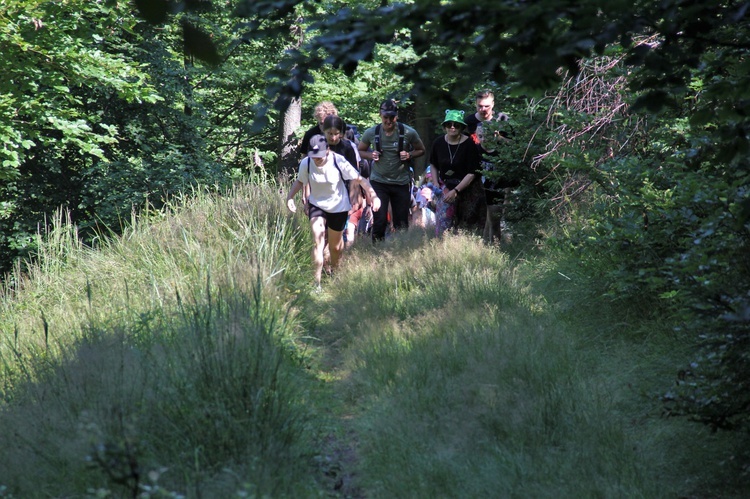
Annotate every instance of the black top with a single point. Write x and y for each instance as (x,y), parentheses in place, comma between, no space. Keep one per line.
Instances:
(471,124)
(455,161)
(306,139)
(472,121)
(346,148)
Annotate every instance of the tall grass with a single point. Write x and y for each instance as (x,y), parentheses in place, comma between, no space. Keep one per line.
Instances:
(169,363)
(206,238)
(187,358)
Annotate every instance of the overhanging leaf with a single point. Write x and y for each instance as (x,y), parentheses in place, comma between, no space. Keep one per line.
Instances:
(153,11)
(200,44)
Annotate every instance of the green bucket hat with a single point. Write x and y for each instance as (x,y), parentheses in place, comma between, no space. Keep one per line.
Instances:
(454,115)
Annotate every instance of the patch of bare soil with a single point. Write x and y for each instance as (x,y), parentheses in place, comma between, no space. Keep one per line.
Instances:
(338,464)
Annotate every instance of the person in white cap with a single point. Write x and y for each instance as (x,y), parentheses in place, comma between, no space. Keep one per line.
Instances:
(325,171)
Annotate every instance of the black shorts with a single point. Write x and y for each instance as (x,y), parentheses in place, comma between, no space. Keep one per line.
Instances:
(334,221)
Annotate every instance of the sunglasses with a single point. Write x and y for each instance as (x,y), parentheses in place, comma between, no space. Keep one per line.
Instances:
(452,124)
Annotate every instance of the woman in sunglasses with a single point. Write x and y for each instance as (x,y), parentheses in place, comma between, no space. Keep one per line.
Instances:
(455,165)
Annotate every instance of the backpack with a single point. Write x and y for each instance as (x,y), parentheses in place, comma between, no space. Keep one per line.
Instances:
(401,134)
(350,144)
(352,134)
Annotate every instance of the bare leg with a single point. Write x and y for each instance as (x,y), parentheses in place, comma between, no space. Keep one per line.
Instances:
(351,233)
(336,246)
(318,226)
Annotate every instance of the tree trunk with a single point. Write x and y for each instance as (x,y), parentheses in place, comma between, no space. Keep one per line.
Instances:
(424,124)
(289,145)
(292,119)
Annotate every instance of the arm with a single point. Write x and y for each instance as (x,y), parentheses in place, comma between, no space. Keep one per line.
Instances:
(372,198)
(305,187)
(465,182)
(472,161)
(449,195)
(296,186)
(418,150)
(435,175)
(364,151)
(305,194)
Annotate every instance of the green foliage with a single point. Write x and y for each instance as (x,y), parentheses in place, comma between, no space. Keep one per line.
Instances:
(516,144)
(677,234)
(669,220)
(357,96)
(100,112)
(108,113)
(52,50)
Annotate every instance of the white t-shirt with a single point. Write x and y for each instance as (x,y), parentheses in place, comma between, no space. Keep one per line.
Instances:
(327,189)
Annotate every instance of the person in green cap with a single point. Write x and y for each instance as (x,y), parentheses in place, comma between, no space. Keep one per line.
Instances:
(456,169)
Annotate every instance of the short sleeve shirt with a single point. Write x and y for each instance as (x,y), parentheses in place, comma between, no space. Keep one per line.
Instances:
(327,190)
(389,169)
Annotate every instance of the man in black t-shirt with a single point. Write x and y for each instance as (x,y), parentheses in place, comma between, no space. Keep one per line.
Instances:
(485,102)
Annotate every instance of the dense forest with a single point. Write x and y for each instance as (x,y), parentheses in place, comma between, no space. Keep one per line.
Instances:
(630,126)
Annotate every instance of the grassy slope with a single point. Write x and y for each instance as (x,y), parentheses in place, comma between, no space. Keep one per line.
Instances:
(477,376)
(427,368)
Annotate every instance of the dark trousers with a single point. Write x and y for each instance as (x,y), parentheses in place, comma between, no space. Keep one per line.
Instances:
(399,197)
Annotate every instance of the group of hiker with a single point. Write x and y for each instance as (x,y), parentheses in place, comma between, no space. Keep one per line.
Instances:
(351,186)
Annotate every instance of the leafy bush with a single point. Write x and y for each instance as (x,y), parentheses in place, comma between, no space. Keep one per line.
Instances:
(667,225)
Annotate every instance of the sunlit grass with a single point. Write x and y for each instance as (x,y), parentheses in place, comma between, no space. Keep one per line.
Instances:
(192,348)
(476,378)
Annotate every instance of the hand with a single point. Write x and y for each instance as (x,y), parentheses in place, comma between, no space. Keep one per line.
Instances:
(375,203)
(375,156)
(290,204)
(404,155)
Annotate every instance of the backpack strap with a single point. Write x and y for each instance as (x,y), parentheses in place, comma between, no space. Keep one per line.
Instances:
(341,175)
(349,145)
(377,138)
(401,135)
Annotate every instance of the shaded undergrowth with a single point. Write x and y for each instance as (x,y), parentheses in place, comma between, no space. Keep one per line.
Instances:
(189,359)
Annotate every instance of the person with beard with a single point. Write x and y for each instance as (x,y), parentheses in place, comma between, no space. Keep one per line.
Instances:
(485,104)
